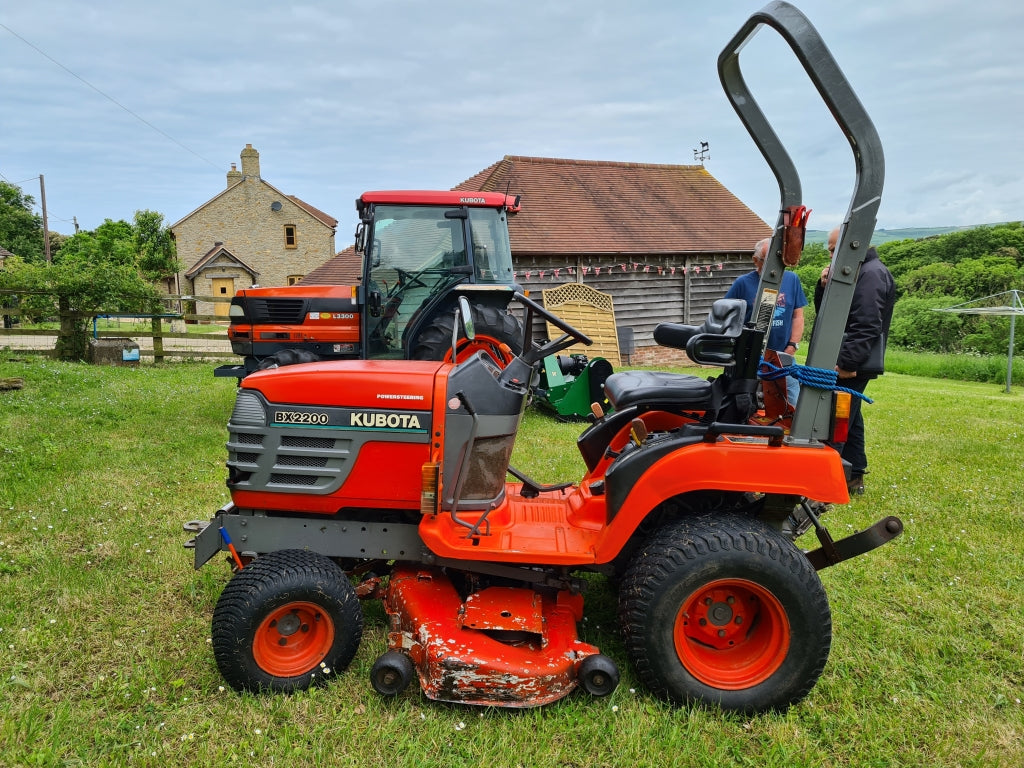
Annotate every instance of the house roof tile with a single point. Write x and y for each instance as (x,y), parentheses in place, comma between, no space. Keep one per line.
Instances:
(600,207)
(344,269)
(315,212)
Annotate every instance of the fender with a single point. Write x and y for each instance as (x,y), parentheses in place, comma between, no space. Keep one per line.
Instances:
(812,471)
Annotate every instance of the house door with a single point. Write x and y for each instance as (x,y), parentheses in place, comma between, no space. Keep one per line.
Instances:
(223,287)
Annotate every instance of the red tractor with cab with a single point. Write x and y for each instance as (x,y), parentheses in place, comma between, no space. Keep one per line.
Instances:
(420,250)
(390,480)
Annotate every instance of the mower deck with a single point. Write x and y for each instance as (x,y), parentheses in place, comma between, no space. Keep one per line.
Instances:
(505,646)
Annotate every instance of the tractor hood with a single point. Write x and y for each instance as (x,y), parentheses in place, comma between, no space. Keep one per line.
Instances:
(393,385)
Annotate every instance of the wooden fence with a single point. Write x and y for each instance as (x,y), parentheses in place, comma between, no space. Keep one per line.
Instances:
(157,337)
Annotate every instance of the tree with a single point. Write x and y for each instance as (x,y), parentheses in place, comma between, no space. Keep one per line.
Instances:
(916,324)
(21,230)
(903,256)
(154,244)
(109,270)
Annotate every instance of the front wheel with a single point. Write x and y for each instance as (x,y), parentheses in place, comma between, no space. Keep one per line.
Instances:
(723,610)
(496,329)
(287,620)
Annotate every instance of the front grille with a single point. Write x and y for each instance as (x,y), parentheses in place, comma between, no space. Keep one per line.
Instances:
(279,479)
(277,311)
(298,441)
(286,460)
(301,461)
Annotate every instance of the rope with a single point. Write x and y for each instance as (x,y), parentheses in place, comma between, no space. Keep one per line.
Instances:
(818,378)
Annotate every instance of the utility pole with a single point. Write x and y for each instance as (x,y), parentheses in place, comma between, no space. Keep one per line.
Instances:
(75,219)
(46,229)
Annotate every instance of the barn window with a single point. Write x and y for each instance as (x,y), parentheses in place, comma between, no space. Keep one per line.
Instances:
(293,279)
(289,236)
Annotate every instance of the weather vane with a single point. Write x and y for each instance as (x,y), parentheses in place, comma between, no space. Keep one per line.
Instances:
(703,154)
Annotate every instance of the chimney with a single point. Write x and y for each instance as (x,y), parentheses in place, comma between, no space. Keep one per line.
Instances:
(250,162)
(234,176)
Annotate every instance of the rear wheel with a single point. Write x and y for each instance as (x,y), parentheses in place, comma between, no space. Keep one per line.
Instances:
(494,327)
(723,610)
(286,621)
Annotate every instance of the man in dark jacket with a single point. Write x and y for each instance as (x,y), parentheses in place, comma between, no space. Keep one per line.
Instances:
(867,327)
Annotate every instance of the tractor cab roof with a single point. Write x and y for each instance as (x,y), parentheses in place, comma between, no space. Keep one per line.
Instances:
(440,197)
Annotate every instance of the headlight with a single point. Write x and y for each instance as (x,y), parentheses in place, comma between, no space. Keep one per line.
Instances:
(249,410)
(236,311)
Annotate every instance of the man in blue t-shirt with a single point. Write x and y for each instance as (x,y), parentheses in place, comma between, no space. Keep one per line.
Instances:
(788,321)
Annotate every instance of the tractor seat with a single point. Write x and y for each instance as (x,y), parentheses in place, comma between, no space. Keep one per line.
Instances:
(658,389)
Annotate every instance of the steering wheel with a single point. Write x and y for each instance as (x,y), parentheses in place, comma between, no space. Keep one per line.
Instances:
(408,277)
(570,335)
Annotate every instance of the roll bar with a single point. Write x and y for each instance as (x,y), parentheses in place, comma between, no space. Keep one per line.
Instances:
(811,421)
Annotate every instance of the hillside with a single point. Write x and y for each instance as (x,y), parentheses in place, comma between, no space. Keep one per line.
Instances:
(885,235)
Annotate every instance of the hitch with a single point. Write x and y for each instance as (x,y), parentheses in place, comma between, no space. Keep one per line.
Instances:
(831,552)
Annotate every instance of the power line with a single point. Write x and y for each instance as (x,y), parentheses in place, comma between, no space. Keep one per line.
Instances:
(109,98)
(35,205)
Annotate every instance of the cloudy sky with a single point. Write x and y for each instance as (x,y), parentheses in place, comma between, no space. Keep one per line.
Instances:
(127,105)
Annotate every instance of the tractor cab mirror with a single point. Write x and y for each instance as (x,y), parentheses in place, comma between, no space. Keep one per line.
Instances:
(360,237)
(374,303)
(466,313)
(463,317)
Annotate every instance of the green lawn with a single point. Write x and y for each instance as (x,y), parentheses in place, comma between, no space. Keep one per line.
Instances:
(104,626)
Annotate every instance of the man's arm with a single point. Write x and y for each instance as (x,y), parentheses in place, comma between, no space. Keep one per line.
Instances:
(797,331)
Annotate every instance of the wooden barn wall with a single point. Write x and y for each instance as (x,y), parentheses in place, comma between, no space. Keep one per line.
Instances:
(642,296)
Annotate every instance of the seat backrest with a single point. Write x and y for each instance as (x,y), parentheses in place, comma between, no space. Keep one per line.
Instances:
(726,317)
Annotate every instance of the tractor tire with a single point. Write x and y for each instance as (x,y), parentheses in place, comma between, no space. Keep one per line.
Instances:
(288,620)
(493,326)
(287,357)
(723,611)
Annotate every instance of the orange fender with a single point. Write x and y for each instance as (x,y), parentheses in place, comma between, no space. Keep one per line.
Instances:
(730,464)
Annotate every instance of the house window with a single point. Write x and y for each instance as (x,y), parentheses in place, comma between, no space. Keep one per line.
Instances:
(289,236)
(293,279)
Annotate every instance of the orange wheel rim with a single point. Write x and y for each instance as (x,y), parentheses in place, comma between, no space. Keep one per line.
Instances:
(488,344)
(732,634)
(293,639)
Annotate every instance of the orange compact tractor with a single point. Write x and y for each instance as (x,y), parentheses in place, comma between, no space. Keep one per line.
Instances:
(420,251)
(390,480)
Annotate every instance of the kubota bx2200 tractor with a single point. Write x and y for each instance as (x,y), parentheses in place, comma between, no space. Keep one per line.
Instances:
(420,251)
(389,479)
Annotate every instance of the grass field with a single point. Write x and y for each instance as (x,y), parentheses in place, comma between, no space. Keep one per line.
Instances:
(104,626)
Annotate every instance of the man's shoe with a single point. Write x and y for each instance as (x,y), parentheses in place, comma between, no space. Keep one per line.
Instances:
(856,485)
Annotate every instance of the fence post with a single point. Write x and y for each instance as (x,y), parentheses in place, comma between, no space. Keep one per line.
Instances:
(158,340)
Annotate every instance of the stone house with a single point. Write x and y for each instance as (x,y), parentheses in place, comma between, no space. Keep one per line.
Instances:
(664,241)
(250,233)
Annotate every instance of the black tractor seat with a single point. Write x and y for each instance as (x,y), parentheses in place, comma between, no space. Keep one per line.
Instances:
(658,389)
(713,342)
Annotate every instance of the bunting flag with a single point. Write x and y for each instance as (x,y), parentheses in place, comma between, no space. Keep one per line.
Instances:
(633,266)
